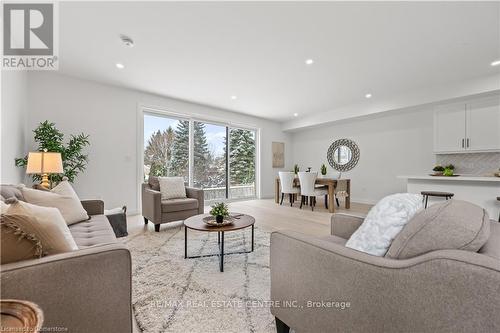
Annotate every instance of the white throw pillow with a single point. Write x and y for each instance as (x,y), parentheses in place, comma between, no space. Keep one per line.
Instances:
(383,222)
(172,187)
(62,197)
(46,224)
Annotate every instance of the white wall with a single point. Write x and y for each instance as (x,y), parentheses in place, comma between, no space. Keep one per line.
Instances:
(109,115)
(390,145)
(13,125)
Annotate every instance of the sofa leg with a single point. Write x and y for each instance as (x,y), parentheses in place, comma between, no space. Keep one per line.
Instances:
(145,221)
(157,227)
(281,327)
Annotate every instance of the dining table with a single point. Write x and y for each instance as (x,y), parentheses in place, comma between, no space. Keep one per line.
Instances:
(329,182)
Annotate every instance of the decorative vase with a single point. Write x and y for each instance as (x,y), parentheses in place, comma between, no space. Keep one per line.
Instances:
(219,218)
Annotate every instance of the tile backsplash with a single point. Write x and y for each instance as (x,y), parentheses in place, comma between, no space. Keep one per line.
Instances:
(478,164)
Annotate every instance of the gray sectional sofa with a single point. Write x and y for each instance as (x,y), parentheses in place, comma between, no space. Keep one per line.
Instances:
(319,285)
(88,290)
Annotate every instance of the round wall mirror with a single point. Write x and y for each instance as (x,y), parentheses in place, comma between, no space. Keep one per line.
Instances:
(343,155)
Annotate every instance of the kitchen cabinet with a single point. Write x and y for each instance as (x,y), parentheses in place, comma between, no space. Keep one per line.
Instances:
(472,126)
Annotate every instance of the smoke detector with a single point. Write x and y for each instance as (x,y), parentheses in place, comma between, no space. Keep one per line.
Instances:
(127,40)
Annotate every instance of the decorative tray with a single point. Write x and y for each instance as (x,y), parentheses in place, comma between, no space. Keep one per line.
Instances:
(20,316)
(210,220)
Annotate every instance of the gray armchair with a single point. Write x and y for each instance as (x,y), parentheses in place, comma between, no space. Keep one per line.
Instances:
(163,211)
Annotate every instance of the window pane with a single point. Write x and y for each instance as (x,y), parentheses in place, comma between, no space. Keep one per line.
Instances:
(166,146)
(210,159)
(242,163)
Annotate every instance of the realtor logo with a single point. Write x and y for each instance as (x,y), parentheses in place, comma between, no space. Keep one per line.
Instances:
(29,41)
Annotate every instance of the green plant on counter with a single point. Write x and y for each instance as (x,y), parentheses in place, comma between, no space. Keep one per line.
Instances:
(438,168)
(296,168)
(219,209)
(448,170)
(323,169)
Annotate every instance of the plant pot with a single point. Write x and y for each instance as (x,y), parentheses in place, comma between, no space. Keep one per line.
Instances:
(219,218)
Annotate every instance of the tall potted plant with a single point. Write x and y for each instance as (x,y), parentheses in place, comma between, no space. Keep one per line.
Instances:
(49,138)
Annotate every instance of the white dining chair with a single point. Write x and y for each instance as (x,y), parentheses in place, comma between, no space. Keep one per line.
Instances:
(308,189)
(287,186)
(341,190)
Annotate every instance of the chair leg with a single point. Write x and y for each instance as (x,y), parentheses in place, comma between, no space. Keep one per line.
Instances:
(326,201)
(145,221)
(282,196)
(426,200)
(281,327)
(301,201)
(313,202)
(337,201)
(157,227)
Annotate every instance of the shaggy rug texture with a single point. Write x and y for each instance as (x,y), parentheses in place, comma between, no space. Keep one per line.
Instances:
(173,294)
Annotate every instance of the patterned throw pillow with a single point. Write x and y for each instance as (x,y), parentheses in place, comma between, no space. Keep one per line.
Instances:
(172,188)
(44,223)
(17,245)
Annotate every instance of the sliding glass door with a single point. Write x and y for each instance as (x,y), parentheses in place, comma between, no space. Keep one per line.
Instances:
(241,163)
(209,167)
(166,146)
(217,158)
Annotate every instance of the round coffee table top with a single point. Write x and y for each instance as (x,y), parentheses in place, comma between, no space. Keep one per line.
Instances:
(196,223)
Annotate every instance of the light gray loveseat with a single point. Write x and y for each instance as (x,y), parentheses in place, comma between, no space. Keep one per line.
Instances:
(439,291)
(88,290)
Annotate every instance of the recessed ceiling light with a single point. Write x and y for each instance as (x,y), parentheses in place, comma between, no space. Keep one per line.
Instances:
(234,97)
(295,114)
(495,63)
(120,65)
(309,61)
(368,95)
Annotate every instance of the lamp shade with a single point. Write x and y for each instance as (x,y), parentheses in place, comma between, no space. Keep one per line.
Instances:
(44,162)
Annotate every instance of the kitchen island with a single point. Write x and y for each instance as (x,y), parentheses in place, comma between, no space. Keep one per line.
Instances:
(482,191)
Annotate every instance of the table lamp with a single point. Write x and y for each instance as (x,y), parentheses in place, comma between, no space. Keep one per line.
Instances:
(42,162)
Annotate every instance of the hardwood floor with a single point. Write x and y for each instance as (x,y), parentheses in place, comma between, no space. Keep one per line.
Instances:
(270,216)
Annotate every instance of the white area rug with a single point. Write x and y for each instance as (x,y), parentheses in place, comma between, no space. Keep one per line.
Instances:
(173,294)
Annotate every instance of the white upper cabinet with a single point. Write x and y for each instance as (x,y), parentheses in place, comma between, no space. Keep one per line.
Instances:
(468,127)
(483,125)
(449,128)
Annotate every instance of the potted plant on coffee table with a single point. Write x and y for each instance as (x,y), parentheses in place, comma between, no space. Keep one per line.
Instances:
(219,210)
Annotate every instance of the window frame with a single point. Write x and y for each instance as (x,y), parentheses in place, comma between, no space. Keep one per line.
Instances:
(161,112)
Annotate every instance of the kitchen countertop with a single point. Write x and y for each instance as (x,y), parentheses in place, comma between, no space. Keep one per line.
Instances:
(459,178)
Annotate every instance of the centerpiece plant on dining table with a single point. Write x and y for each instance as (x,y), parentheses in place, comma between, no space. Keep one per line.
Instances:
(219,210)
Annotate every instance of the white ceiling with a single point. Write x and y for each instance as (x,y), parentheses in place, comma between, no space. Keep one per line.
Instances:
(207,52)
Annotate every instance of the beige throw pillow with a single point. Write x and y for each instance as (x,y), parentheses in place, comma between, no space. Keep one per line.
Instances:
(44,223)
(17,245)
(451,225)
(172,188)
(62,197)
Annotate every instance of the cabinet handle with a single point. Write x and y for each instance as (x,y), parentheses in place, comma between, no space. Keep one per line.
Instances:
(463,143)
(467,142)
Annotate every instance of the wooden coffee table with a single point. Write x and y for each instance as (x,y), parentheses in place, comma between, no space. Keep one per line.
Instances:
(196,223)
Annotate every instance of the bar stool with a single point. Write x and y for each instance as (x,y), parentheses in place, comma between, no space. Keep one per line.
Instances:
(427,194)
(498,199)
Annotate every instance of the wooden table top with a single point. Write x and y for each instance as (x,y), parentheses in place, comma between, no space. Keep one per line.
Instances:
(196,223)
(321,180)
